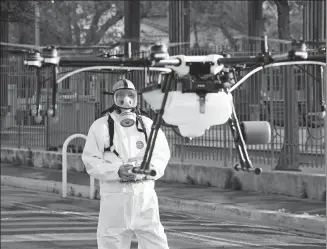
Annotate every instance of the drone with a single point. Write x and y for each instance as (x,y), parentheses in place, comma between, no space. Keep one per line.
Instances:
(193,93)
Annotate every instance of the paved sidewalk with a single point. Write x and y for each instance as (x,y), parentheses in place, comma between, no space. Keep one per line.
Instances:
(287,212)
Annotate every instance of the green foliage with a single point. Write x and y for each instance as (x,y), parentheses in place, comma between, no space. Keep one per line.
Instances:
(231,18)
(78,22)
(94,22)
(211,17)
(296,19)
(72,22)
(17,11)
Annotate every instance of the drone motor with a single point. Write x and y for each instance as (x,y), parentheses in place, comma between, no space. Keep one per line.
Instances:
(34,59)
(51,56)
(158,52)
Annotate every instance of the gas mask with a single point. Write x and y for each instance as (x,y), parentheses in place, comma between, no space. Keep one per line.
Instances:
(125,100)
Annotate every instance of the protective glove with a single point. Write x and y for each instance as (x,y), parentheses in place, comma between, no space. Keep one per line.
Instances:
(125,173)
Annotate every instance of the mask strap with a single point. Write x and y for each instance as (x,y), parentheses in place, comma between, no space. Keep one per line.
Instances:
(139,120)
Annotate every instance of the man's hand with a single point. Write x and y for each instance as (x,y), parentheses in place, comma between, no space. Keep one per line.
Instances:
(125,173)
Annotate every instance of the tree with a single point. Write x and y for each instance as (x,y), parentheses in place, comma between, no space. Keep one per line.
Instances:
(255,29)
(232,18)
(289,154)
(78,22)
(17,11)
(85,22)
(20,16)
(271,19)
(210,17)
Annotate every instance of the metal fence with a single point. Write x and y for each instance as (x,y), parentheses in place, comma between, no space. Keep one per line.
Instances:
(80,101)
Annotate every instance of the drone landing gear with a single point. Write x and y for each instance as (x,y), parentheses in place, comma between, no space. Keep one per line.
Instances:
(145,165)
(256,132)
(36,111)
(34,60)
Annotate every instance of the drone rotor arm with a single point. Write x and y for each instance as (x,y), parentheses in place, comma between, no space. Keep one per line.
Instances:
(250,60)
(266,59)
(83,61)
(287,63)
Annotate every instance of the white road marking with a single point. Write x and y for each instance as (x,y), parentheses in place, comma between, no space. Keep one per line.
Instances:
(194,235)
(204,241)
(232,224)
(67,222)
(49,237)
(35,229)
(180,222)
(90,218)
(26,212)
(29,205)
(41,218)
(264,242)
(92,215)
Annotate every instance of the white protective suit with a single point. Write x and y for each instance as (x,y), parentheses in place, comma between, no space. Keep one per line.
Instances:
(125,207)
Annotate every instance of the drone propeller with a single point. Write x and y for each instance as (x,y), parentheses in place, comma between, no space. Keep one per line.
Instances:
(22,46)
(20,51)
(104,46)
(282,41)
(38,48)
(150,43)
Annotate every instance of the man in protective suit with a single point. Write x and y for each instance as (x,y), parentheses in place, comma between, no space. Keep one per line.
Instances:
(129,203)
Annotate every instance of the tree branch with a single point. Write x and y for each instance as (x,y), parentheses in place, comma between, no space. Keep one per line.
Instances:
(229,36)
(283,11)
(110,22)
(146,9)
(77,30)
(92,32)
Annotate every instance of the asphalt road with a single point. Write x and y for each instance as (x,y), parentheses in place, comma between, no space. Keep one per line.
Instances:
(35,220)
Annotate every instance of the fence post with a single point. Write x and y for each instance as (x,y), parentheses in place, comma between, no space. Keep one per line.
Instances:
(270,113)
(182,149)
(225,144)
(325,133)
(19,130)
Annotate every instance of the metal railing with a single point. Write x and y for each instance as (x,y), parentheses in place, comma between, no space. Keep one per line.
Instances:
(80,102)
(64,166)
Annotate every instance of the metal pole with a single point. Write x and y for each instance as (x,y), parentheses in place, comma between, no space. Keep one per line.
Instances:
(179,25)
(326,96)
(325,134)
(132,22)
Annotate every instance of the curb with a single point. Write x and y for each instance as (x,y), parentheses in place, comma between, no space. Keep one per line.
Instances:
(47,186)
(305,223)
